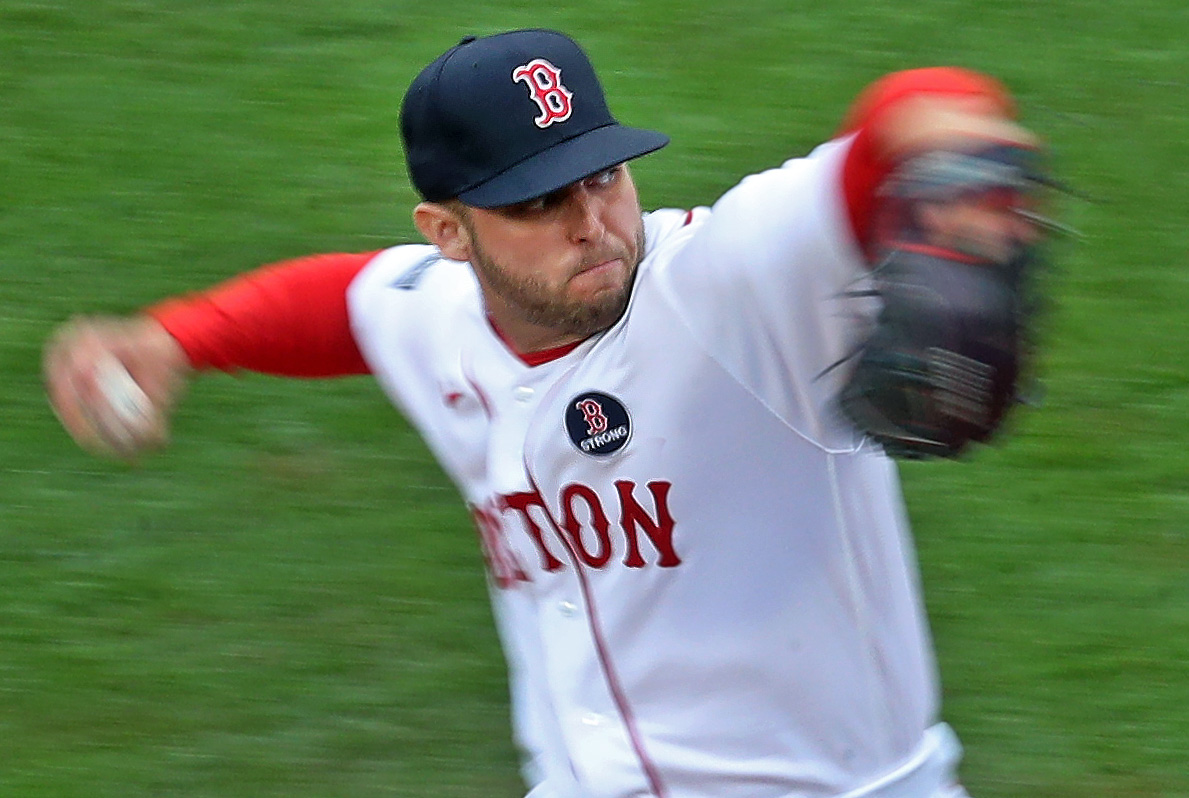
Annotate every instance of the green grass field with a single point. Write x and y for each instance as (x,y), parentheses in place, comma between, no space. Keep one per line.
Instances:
(290,602)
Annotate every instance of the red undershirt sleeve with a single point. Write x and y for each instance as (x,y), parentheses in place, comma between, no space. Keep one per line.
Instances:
(864,169)
(288,319)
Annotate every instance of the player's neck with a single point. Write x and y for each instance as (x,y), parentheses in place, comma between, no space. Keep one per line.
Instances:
(530,342)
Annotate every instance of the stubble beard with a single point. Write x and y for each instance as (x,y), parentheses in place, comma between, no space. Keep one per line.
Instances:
(543,306)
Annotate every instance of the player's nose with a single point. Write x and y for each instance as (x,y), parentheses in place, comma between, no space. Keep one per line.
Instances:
(585,215)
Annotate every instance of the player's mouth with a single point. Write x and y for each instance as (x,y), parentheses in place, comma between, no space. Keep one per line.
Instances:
(603,262)
(598,268)
(600,276)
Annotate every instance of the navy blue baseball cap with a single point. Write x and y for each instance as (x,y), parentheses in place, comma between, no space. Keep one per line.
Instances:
(510,117)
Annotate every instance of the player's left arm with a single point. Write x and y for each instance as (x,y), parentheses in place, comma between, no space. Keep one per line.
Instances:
(775,281)
(942,186)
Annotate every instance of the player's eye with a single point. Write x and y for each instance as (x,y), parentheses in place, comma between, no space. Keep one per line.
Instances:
(540,206)
(605,177)
(534,207)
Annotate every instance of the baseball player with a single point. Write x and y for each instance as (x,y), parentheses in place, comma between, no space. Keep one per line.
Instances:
(699,564)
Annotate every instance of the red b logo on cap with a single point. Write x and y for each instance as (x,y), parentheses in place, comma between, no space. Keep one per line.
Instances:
(546,90)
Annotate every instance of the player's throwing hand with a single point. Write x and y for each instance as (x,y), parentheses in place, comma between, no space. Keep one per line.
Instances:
(113,382)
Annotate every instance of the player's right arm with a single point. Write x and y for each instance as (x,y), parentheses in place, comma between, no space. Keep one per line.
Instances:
(288,319)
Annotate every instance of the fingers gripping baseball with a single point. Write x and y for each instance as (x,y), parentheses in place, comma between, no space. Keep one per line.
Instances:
(113,382)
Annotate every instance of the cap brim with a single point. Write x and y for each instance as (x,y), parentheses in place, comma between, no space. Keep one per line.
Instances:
(563,164)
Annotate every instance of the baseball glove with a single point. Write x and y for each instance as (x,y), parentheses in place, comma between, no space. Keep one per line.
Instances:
(953,340)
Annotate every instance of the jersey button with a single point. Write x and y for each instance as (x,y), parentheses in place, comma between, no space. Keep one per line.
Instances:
(567,608)
(522,393)
(593,719)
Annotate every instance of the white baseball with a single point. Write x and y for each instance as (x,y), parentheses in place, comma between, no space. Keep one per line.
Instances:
(129,414)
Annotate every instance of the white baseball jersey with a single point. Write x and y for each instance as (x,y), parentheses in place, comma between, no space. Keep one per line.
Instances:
(701,574)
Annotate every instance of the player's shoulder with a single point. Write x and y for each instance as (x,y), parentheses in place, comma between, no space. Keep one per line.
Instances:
(660,224)
(763,213)
(667,229)
(821,170)
(414,285)
(772,212)
(413,273)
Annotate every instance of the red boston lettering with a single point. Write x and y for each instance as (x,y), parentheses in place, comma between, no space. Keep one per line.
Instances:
(659,531)
(584,529)
(501,562)
(520,502)
(598,523)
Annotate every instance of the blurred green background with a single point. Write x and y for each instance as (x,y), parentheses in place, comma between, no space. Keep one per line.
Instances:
(290,600)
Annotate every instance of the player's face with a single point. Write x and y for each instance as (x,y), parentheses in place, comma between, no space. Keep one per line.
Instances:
(560,267)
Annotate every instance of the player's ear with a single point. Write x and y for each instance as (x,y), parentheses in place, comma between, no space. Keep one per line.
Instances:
(442,225)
